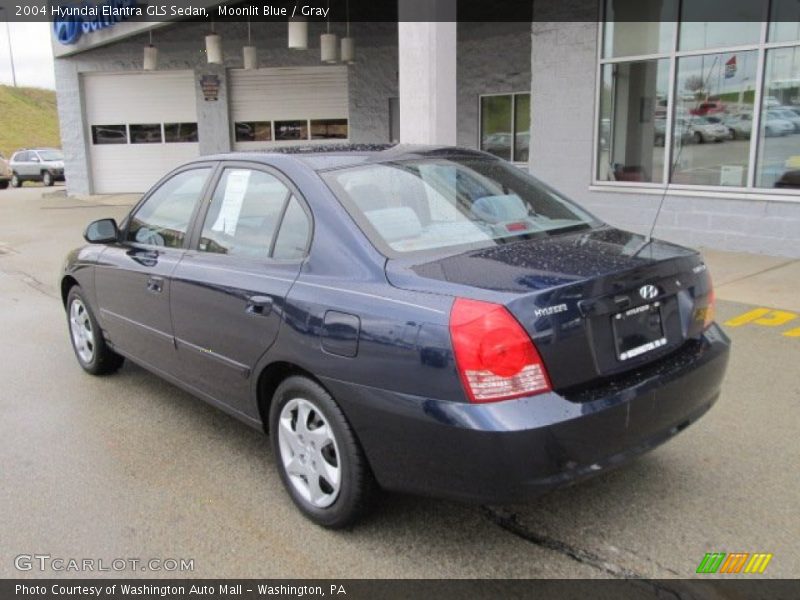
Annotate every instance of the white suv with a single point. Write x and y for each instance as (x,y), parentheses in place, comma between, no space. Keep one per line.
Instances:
(37,164)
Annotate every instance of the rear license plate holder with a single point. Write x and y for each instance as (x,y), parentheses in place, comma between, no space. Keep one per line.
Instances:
(638,331)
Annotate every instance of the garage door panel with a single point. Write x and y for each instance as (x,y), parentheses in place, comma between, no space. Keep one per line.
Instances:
(287,94)
(131,99)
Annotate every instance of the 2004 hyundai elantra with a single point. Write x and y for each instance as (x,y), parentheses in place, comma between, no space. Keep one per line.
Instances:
(422,319)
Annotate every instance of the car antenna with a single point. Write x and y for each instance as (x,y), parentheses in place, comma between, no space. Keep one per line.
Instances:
(672,166)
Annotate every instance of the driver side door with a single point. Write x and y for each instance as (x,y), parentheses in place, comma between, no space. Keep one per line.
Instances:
(132,278)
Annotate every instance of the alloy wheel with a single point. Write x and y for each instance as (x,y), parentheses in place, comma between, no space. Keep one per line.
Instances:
(309,453)
(80,326)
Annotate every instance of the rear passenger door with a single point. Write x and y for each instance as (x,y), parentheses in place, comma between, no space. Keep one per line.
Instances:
(228,290)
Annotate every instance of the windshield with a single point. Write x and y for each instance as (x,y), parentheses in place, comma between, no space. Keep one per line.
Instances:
(416,205)
(50,155)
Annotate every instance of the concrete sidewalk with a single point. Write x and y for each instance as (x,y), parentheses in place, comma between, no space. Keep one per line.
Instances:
(769,281)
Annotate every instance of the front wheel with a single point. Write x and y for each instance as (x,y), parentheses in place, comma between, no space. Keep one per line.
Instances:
(318,456)
(90,347)
(47,178)
(698,137)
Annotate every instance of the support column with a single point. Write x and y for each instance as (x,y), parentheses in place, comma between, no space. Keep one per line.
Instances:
(427,71)
(213,119)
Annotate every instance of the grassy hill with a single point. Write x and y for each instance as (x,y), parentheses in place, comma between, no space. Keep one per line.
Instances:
(28,118)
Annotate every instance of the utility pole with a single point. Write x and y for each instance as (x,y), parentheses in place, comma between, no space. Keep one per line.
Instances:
(10,54)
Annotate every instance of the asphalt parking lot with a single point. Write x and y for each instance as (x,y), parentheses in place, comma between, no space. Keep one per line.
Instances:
(128,466)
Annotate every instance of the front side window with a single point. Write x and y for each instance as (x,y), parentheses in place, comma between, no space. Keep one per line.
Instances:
(244,214)
(411,206)
(50,155)
(164,217)
(633,121)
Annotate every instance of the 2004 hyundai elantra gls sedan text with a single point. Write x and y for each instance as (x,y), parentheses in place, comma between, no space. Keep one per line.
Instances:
(420,319)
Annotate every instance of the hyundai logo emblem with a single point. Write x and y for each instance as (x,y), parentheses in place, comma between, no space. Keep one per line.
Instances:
(648,292)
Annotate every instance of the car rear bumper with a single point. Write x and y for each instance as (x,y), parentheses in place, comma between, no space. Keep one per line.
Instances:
(518,449)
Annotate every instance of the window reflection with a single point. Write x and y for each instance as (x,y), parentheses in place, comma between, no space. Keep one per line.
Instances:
(713,118)
(779,146)
(633,110)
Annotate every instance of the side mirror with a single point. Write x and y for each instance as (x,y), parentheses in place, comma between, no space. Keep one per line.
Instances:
(103,231)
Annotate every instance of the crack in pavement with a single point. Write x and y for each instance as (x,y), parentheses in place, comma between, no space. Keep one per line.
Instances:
(32,282)
(509,522)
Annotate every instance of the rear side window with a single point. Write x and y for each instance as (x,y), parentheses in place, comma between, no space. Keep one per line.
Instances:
(295,231)
(164,217)
(244,214)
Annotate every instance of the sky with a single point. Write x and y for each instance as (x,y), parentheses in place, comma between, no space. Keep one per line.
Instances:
(33,55)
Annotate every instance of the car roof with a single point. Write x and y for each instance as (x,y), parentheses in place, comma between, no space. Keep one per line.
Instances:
(323,157)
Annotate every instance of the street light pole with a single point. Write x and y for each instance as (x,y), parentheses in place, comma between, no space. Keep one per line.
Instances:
(11,56)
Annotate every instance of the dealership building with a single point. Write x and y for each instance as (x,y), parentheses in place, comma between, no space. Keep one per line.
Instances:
(621,104)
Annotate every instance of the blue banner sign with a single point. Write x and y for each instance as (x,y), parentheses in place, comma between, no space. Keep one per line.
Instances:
(73,21)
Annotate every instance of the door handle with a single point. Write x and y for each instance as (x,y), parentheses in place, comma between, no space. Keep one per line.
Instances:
(259,305)
(155,284)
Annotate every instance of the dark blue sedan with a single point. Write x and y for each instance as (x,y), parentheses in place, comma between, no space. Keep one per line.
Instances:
(420,319)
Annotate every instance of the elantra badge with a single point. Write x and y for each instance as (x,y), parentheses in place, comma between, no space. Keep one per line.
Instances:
(648,292)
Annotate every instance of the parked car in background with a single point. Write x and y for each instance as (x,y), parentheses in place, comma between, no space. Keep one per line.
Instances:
(709,108)
(707,129)
(37,164)
(774,126)
(5,173)
(740,126)
(422,319)
(785,114)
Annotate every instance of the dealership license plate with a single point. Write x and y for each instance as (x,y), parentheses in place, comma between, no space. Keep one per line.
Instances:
(638,331)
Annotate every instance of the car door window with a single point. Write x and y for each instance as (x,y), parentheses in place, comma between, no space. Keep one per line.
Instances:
(294,233)
(244,213)
(164,217)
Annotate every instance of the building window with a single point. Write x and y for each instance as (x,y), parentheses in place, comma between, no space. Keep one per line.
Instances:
(633,108)
(329,129)
(149,133)
(677,102)
(109,134)
(505,125)
(176,133)
(253,131)
(291,130)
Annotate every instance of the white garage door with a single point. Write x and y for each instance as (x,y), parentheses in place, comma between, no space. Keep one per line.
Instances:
(285,105)
(141,125)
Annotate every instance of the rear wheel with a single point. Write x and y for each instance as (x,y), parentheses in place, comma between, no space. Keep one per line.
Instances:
(3,184)
(318,456)
(90,347)
(15,180)
(47,178)
(698,137)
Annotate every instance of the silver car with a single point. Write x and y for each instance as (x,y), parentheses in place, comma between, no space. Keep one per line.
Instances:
(37,164)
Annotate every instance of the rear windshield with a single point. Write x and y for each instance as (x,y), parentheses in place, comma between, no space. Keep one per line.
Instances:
(417,205)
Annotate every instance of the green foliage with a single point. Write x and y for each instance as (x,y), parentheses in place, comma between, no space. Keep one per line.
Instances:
(28,118)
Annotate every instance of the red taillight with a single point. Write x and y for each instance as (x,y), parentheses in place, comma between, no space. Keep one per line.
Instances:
(495,357)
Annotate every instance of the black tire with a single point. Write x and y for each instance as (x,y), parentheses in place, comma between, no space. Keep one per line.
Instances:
(698,137)
(47,179)
(357,485)
(733,134)
(15,180)
(3,184)
(103,359)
